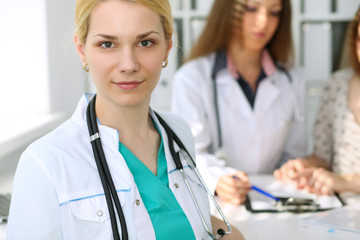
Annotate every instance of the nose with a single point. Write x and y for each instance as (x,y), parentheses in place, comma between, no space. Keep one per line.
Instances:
(128,61)
(262,18)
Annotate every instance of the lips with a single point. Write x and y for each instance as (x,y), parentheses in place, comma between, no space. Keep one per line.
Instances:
(259,34)
(128,85)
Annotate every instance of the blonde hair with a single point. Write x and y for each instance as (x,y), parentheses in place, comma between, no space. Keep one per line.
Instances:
(219,29)
(83,9)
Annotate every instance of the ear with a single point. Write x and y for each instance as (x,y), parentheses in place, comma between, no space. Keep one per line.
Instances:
(168,48)
(80,48)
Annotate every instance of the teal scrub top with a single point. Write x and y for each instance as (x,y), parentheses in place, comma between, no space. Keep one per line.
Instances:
(167,217)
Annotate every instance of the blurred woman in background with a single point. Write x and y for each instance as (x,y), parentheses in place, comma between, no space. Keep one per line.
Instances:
(241,96)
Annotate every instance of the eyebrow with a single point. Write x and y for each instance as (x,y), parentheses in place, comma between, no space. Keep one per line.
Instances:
(111,37)
(273,5)
(144,35)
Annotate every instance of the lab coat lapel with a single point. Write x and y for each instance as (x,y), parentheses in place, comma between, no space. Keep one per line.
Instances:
(267,94)
(232,97)
(169,159)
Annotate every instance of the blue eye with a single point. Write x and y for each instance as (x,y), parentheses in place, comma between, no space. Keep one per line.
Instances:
(107,44)
(145,43)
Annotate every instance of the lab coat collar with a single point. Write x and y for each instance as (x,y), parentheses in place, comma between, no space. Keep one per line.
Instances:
(120,173)
(267,64)
(268,91)
(111,136)
(79,116)
(170,164)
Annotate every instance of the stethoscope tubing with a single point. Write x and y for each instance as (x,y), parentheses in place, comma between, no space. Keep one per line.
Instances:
(109,187)
(105,176)
(179,166)
(217,114)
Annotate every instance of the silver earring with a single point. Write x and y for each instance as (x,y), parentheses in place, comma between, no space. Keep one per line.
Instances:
(85,67)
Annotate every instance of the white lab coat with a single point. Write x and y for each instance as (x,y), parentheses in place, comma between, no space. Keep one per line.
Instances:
(58,194)
(254,140)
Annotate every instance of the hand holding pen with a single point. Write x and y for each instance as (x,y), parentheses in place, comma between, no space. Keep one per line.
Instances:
(261,191)
(233,190)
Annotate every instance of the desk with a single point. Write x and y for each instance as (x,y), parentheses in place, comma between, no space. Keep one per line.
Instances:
(2,231)
(271,226)
(279,226)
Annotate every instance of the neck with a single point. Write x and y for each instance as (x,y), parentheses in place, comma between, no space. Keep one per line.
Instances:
(245,58)
(136,130)
(247,62)
(130,122)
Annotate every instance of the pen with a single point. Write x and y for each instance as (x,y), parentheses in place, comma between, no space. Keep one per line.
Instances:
(260,190)
(264,192)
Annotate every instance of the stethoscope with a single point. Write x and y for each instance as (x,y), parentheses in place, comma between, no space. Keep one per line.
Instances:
(109,187)
(298,115)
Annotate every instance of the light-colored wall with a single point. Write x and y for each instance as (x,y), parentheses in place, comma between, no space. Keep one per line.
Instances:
(67,82)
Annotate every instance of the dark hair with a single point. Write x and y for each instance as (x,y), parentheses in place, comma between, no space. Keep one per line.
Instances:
(353,36)
(218,31)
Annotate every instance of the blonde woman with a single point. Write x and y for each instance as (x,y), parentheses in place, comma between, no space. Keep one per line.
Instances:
(109,171)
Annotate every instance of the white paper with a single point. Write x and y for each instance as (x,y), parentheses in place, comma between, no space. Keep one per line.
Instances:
(346,218)
(279,189)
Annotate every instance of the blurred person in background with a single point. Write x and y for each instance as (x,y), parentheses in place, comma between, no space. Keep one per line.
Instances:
(242,98)
(334,165)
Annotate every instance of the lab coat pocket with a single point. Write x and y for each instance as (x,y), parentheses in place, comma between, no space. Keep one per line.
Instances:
(93,208)
(91,215)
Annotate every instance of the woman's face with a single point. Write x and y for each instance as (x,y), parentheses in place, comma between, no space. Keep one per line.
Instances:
(259,23)
(124,49)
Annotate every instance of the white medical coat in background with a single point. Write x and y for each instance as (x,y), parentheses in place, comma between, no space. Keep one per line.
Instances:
(254,140)
(58,194)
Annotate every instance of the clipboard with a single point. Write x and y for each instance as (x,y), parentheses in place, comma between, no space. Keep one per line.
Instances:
(258,203)
(303,205)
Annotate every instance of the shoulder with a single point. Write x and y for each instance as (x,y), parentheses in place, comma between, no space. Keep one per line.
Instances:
(47,148)
(296,74)
(338,81)
(177,124)
(293,75)
(180,128)
(200,66)
(293,78)
(341,76)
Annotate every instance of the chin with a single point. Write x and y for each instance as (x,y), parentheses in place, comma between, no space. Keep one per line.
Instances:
(256,47)
(131,101)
